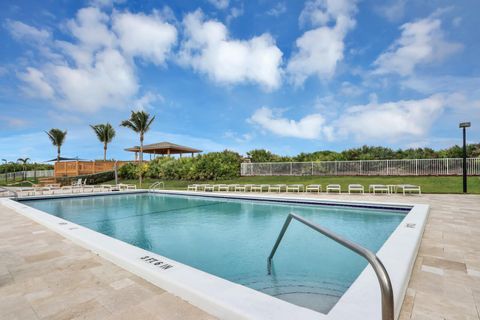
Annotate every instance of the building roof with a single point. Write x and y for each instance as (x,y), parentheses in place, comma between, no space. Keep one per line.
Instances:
(163,148)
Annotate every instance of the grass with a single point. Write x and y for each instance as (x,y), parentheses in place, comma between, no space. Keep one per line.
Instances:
(433,184)
(18,182)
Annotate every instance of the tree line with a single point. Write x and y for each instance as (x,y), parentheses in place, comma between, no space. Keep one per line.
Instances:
(366,153)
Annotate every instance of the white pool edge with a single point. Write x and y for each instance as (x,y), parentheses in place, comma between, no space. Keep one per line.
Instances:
(228,300)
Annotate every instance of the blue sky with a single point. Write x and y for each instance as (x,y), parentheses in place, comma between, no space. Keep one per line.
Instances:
(288,76)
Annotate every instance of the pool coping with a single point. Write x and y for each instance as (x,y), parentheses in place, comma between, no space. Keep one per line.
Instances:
(228,300)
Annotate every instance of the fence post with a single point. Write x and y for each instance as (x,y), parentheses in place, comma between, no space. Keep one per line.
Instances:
(416,167)
(447,167)
(271,164)
(336,169)
(291,168)
(388,171)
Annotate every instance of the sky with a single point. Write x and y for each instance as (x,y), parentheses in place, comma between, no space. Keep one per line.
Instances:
(288,76)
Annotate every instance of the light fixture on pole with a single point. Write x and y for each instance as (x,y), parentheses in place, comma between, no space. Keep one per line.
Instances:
(464,126)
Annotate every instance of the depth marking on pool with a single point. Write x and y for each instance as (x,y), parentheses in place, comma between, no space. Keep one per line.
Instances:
(160,264)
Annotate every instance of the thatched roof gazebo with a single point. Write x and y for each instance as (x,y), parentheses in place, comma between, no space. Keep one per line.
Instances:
(163,148)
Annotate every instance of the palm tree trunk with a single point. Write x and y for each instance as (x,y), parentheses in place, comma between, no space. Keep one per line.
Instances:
(141,158)
(58,153)
(105,152)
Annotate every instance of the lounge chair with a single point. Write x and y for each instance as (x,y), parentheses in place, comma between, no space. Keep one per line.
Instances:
(240,188)
(295,188)
(274,188)
(409,188)
(334,188)
(209,187)
(231,187)
(314,188)
(356,188)
(256,188)
(222,187)
(374,188)
(192,187)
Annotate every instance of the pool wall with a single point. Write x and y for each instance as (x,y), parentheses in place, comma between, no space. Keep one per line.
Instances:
(228,300)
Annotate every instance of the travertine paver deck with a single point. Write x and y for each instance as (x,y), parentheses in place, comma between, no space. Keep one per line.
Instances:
(43,275)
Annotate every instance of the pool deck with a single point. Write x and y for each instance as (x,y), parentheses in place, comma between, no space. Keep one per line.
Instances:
(45,276)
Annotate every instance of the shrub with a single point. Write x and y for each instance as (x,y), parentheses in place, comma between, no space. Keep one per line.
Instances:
(210,166)
(128,171)
(95,178)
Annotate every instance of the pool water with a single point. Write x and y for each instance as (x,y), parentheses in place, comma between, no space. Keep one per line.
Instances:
(232,238)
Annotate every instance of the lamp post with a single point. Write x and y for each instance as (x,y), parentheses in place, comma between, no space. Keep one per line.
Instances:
(464,126)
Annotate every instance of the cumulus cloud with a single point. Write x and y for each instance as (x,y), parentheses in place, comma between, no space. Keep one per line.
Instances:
(393,11)
(208,49)
(145,36)
(421,42)
(97,68)
(22,31)
(391,120)
(319,50)
(309,127)
(219,4)
(36,84)
(279,9)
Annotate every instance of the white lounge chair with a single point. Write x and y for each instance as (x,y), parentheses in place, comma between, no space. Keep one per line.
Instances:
(231,187)
(334,188)
(222,187)
(356,188)
(409,188)
(295,188)
(374,188)
(256,188)
(240,188)
(314,188)
(209,187)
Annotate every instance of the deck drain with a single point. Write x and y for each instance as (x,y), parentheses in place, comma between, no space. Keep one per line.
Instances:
(74,228)
(411,225)
(62,223)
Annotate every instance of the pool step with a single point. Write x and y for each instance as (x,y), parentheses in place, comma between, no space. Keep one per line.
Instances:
(317,295)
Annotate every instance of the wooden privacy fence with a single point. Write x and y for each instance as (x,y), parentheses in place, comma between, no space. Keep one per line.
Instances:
(77,168)
(406,167)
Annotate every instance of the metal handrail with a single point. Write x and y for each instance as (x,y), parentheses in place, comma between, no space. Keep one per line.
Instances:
(373,260)
(9,190)
(156,184)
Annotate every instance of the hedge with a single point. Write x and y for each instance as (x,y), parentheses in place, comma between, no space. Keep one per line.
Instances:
(95,178)
(210,166)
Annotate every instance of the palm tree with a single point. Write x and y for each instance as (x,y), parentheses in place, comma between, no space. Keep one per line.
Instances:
(139,122)
(105,134)
(57,137)
(24,165)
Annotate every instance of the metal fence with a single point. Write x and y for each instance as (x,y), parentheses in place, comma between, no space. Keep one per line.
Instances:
(28,174)
(406,167)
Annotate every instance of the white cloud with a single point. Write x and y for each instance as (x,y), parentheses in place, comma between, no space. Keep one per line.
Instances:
(279,9)
(421,42)
(392,11)
(146,36)
(109,82)
(22,31)
(219,4)
(321,49)
(105,3)
(36,84)
(145,102)
(309,127)
(208,49)
(96,69)
(90,28)
(391,120)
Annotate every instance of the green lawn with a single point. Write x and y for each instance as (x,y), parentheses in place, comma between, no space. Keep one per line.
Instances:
(428,184)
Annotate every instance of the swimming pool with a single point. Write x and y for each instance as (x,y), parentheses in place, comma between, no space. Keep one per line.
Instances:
(231,238)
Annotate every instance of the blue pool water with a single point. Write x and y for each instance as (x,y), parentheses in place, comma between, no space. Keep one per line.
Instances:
(233,238)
